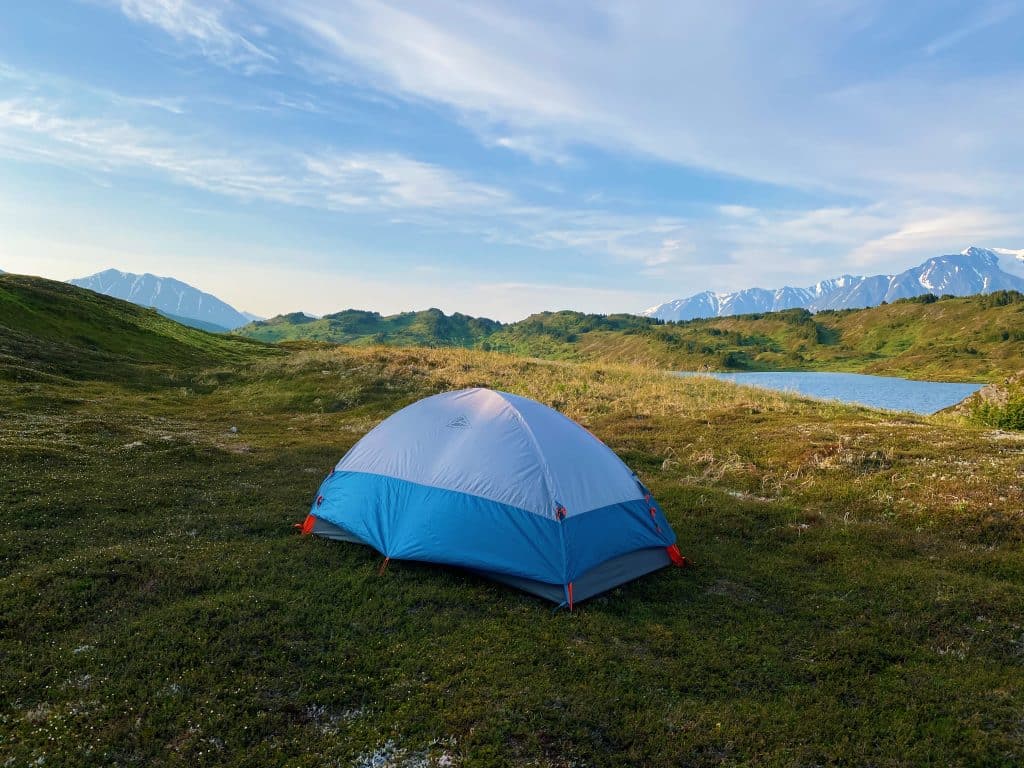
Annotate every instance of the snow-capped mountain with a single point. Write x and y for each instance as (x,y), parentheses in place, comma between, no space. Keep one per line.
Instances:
(167,295)
(973,270)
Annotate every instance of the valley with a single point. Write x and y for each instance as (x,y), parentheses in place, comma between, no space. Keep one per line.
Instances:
(974,338)
(855,596)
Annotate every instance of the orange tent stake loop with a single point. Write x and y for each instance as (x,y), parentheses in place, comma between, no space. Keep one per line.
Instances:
(676,556)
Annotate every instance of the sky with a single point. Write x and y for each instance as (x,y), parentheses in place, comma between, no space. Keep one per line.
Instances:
(501,157)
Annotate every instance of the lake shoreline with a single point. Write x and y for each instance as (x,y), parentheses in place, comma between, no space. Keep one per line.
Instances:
(884,392)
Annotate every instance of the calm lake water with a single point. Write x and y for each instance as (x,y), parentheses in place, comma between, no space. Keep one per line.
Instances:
(874,391)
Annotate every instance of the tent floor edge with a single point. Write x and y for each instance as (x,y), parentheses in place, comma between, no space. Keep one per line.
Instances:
(604,577)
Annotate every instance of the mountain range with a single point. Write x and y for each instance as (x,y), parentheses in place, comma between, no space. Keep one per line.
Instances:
(974,338)
(172,298)
(973,270)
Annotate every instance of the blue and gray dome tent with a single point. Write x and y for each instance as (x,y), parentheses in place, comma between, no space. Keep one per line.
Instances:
(502,485)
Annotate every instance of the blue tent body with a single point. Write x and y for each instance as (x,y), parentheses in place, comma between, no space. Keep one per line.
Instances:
(502,485)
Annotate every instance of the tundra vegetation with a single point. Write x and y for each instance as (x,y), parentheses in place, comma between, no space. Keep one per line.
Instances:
(975,338)
(855,597)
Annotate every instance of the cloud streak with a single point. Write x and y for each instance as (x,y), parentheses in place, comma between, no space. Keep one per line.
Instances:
(732,88)
(719,249)
(203,25)
(331,179)
(861,143)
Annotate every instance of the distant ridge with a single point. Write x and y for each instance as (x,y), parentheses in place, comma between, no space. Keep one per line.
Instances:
(429,327)
(973,270)
(175,299)
(969,338)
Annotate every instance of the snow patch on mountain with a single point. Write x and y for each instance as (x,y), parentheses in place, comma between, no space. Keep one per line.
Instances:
(170,296)
(973,270)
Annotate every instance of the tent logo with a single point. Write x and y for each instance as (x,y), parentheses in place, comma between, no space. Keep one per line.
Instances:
(460,422)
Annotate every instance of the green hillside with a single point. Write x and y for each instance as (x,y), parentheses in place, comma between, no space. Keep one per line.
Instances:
(976,338)
(49,328)
(429,328)
(855,600)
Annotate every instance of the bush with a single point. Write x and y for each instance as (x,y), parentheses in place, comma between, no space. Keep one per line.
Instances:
(1008,416)
(735,360)
(1001,298)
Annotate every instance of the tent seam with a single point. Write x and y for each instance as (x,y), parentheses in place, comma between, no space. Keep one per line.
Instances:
(547,478)
(548,481)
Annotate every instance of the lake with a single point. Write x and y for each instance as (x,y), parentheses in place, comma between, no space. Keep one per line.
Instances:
(874,391)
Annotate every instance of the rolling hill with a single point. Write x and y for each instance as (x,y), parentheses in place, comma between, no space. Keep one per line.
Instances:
(428,328)
(976,338)
(49,328)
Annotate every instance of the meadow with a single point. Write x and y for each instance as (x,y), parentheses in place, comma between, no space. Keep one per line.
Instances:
(855,597)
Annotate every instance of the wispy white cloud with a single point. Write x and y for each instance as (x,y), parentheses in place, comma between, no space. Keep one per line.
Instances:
(389,183)
(921,161)
(721,248)
(537,149)
(734,88)
(395,48)
(204,25)
(40,131)
(173,105)
(35,82)
(393,181)
(933,231)
(985,17)
(329,179)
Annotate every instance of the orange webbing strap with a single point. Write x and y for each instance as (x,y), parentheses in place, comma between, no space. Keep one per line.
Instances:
(306,526)
(383,566)
(570,595)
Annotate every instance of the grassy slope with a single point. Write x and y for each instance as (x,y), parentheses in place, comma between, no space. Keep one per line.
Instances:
(962,339)
(54,329)
(430,327)
(856,598)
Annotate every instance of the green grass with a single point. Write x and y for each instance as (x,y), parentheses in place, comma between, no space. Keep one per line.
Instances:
(429,328)
(855,598)
(50,329)
(976,338)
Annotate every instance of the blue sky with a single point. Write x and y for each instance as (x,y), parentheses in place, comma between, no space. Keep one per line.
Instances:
(500,158)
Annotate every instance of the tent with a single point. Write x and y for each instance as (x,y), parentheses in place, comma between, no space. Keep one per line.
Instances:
(502,485)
